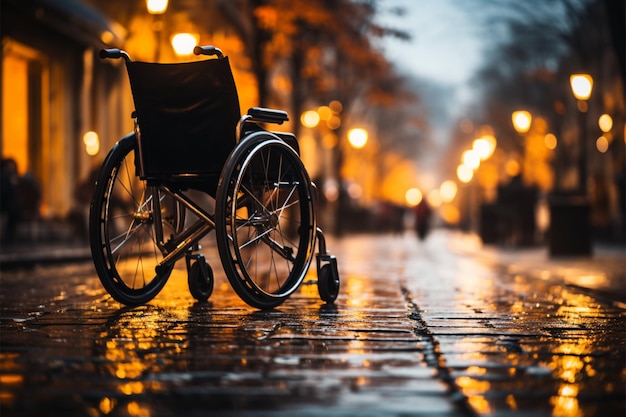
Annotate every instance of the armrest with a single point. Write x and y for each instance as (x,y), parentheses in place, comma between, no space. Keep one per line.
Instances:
(260,114)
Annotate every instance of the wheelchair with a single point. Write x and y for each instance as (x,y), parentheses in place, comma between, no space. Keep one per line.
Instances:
(189,136)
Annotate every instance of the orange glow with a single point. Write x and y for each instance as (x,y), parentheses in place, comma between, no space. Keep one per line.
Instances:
(450,214)
(156,6)
(183,43)
(310,118)
(11,379)
(602,144)
(325,112)
(581,84)
(357,138)
(512,167)
(484,146)
(15,110)
(333,122)
(336,106)
(550,141)
(413,196)
(92,143)
(521,121)
(471,159)
(464,173)
(434,198)
(329,140)
(448,191)
(605,122)
(107,405)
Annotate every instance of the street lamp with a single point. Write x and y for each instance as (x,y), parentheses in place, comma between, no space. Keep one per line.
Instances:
(183,43)
(521,121)
(157,8)
(484,146)
(582,84)
(570,213)
(357,138)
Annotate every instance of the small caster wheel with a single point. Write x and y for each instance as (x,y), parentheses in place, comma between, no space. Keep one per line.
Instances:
(328,282)
(200,280)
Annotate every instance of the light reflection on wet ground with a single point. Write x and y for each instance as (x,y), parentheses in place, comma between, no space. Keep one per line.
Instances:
(69,350)
(524,343)
(418,329)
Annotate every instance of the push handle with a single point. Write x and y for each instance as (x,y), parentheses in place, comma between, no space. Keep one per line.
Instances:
(208,50)
(114,53)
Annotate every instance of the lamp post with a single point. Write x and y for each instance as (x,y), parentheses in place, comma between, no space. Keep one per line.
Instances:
(570,212)
(582,84)
(157,8)
(522,120)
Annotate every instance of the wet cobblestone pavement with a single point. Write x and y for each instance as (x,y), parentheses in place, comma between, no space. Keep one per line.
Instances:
(435,328)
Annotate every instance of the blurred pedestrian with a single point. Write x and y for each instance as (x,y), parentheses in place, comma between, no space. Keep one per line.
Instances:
(423,214)
(9,199)
(78,217)
(29,196)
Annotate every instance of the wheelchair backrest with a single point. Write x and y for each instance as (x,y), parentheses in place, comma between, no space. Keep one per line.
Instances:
(187,115)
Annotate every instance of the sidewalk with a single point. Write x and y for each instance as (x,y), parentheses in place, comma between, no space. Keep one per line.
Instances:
(604,272)
(444,327)
(27,254)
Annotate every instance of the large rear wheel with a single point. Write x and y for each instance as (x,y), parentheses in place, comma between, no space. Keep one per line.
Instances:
(265,223)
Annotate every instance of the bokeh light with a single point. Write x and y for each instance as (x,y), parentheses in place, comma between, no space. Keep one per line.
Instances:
(448,191)
(484,146)
(471,159)
(92,143)
(464,173)
(521,121)
(310,118)
(183,43)
(357,137)
(413,196)
(550,141)
(602,144)
(605,122)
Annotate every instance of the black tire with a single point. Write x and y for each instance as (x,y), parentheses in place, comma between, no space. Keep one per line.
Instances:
(200,282)
(327,284)
(265,223)
(121,229)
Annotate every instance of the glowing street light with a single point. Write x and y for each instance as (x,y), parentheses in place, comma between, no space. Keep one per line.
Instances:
(484,146)
(92,143)
(156,6)
(310,118)
(550,141)
(357,137)
(521,121)
(413,196)
(605,122)
(183,43)
(464,173)
(581,84)
(471,159)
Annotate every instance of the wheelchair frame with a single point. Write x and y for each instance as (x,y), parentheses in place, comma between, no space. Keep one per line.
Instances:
(264,213)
